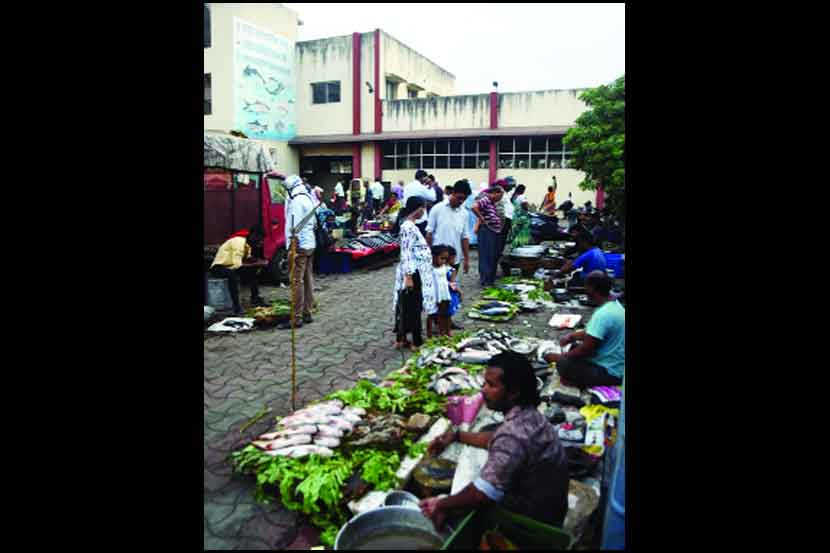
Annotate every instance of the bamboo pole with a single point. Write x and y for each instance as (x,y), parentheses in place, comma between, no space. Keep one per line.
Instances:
(292,259)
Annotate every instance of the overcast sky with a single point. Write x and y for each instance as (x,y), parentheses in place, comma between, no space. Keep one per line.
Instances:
(522,46)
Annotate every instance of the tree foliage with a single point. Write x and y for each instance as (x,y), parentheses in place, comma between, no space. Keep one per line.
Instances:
(598,143)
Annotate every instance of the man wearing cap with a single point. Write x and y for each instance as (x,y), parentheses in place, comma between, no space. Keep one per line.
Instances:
(490,227)
(299,204)
(420,187)
(234,260)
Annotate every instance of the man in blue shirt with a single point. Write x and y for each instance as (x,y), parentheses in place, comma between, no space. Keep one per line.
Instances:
(591,257)
(599,358)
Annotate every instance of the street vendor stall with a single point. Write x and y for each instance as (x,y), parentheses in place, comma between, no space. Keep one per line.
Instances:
(337,460)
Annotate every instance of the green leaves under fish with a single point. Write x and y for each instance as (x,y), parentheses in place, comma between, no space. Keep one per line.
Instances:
(314,485)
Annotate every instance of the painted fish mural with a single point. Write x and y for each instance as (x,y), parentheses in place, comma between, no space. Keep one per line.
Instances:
(256,107)
(257,126)
(252,72)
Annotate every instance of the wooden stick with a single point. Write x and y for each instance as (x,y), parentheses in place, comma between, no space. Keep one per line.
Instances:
(291,261)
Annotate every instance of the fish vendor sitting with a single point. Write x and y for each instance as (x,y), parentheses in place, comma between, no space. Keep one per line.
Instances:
(599,358)
(591,258)
(526,469)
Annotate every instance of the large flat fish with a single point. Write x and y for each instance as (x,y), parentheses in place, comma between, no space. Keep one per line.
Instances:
(282,443)
(327,442)
(495,311)
(296,452)
(300,420)
(329,431)
(305,429)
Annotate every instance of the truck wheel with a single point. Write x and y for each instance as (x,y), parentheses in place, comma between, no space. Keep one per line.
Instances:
(279,267)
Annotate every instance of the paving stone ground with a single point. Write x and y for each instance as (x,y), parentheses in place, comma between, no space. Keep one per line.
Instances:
(244,373)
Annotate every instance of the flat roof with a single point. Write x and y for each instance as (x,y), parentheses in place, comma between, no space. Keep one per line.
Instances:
(423,135)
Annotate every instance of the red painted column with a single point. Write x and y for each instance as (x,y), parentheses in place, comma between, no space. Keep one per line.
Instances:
(378,158)
(355,83)
(356,169)
(494,124)
(378,114)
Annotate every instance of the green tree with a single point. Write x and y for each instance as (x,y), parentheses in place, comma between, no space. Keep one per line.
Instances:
(598,143)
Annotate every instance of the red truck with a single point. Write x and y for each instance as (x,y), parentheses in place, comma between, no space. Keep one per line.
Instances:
(241,188)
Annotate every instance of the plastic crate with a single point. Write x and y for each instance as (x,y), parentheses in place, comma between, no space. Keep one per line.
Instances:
(615,261)
(524,532)
(335,262)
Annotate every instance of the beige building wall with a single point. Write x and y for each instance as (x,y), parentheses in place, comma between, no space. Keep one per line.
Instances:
(400,60)
(325,150)
(538,180)
(441,113)
(367,161)
(324,60)
(545,107)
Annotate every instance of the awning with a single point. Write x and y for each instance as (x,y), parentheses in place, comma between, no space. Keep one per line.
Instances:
(425,135)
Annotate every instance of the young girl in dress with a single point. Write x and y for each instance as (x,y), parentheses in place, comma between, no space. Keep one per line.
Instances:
(440,319)
(455,293)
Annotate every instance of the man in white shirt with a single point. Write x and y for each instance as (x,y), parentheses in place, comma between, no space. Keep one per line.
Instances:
(418,188)
(377,195)
(298,205)
(448,225)
(339,198)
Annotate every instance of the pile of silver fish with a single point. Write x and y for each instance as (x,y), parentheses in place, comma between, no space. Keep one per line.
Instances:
(454,380)
(482,346)
(437,356)
(316,429)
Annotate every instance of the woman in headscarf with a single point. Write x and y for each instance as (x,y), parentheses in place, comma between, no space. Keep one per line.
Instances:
(414,282)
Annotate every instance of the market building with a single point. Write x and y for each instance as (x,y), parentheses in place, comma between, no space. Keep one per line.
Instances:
(366,105)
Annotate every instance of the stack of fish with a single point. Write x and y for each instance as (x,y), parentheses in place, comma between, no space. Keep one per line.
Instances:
(317,429)
(371,242)
(437,356)
(453,380)
(483,345)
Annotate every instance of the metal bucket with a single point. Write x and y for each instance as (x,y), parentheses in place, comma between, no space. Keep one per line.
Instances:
(218,293)
(377,524)
(402,498)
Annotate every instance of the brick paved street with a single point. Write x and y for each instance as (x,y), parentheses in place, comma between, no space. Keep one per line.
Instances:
(351,332)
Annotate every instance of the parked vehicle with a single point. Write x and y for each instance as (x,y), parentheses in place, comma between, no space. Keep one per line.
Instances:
(241,188)
(545,227)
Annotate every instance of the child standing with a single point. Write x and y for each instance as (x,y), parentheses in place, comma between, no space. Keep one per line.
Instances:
(455,293)
(441,317)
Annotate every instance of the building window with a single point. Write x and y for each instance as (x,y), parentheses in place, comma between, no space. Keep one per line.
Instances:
(436,154)
(412,93)
(325,93)
(537,152)
(208,106)
(391,90)
(207,26)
